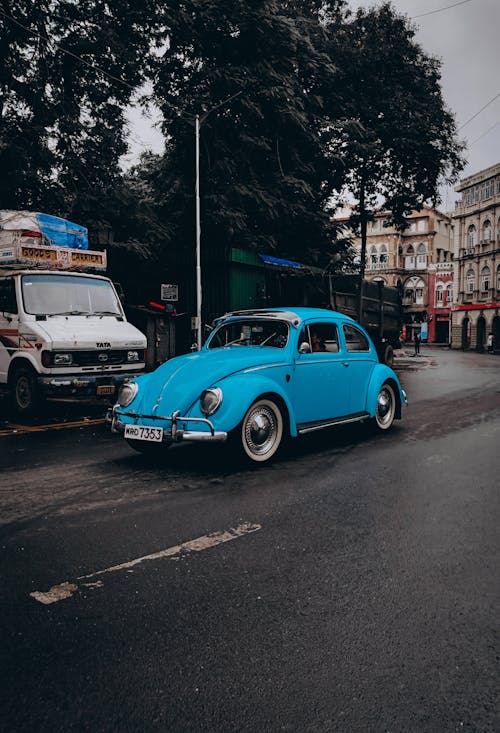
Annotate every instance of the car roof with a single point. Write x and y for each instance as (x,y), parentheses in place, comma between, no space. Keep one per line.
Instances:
(295,316)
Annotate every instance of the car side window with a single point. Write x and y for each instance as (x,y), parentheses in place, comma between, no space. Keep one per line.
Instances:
(7,296)
(320,337)
(355,339)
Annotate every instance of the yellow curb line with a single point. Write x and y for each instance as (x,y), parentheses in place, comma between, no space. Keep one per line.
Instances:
(20,429)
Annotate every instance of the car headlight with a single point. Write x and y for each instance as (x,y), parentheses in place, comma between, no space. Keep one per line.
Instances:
(132,356)
(63,359)
(210,400)
(127,394)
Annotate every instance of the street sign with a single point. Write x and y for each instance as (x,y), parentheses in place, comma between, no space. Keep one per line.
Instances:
(169,292)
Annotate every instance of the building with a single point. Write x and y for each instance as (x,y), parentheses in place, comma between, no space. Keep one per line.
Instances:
(419,260)
(477,261)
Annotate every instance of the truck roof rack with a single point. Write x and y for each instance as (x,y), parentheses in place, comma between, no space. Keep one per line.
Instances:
(19,256)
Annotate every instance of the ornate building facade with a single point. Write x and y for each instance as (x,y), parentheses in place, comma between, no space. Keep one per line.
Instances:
(419,260)
(477,261)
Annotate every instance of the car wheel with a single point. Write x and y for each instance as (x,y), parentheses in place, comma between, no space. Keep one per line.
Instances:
(25,393)
(386,407)
(389,355)
(262,430)
(147,448)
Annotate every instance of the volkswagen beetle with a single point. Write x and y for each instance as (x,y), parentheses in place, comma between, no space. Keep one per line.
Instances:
(262,376)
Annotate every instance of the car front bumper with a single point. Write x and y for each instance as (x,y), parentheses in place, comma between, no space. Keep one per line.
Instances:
(85,385)
(172,433)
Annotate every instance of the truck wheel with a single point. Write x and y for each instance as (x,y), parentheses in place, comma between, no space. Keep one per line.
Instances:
(388,355)
(261,431)
(385,410)
(25,394)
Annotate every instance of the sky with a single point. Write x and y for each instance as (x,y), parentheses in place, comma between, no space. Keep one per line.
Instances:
(467,41)
(466,38)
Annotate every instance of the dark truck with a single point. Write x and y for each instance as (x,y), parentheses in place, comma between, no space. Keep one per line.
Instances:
(381,310)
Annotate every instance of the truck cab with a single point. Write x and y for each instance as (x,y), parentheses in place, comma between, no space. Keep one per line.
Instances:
(63,331)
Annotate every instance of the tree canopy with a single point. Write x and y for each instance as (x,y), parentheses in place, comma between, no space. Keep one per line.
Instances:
(299,102)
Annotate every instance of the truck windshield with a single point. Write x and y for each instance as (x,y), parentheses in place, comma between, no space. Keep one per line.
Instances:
(257,332)
(51,295)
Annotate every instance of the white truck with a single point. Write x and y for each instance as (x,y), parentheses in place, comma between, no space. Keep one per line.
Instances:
(63,330)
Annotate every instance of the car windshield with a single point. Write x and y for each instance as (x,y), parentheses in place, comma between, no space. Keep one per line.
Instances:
(51,295)
(248,332)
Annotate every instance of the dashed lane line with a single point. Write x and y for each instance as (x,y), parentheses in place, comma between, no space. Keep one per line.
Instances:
(65,590)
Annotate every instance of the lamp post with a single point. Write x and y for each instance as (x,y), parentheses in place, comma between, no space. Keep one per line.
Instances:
(198,120)
(198,236)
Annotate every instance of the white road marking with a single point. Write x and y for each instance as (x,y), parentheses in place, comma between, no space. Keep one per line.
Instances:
(66,589)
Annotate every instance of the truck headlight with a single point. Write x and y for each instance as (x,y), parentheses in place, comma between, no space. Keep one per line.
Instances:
(63,359)
(210,400)
(133,356)
(127,394)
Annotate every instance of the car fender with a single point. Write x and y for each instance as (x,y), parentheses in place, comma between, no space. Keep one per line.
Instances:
(22,359)
(239,392)
(380,375)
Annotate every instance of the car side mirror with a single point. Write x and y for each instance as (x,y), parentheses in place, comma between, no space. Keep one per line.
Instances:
(304,348)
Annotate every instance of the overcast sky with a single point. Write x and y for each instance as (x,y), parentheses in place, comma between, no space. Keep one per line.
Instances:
(466,38)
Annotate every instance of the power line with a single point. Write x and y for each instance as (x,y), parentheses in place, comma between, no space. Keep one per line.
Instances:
(440,10)
(86,63)
(484,134)
(479,112)
(69,53)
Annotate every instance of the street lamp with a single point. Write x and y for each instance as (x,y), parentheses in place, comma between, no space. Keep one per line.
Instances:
(198,120)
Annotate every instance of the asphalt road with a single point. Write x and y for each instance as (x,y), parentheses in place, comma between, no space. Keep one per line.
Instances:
(352,585)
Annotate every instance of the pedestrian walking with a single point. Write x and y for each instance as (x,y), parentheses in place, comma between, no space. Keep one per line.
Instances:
(489,343)
(416,340)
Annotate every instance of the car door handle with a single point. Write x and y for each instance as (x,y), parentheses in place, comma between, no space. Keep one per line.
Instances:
(345,363)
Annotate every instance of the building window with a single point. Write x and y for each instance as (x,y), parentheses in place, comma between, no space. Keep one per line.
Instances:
(439,297)
(485,279)
(410,258)
(488,189)
(421,225)
(486,231)
(471,236)
(470,281)
(449,295)
(383,256)
(421,257)
(419,296)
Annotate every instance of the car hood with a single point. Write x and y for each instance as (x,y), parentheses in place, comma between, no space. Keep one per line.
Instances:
(80,332)
(177,383)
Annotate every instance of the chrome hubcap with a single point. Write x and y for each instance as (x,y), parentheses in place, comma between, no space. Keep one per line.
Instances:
(260,430)
(384,406)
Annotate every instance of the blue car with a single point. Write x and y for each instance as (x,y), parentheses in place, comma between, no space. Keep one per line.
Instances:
(262,376)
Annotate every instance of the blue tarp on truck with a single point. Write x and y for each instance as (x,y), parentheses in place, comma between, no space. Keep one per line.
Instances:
(55,231)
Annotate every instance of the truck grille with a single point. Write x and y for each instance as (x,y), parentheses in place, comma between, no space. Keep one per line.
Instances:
(98,358)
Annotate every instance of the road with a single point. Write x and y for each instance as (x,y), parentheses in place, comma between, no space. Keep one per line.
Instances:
(352,585)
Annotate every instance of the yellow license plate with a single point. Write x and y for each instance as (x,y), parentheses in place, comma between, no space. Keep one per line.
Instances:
(104,389)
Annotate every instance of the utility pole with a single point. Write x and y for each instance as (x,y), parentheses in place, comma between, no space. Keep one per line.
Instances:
(198,121)
(198,237)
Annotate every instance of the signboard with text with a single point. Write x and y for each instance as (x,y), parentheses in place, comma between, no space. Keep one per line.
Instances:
(170,292)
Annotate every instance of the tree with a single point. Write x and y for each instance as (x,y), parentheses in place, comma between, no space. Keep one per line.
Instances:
(396,139)
(265,175)
(67,73)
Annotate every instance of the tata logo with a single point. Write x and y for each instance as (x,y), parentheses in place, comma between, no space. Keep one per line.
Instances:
(103,345)
(103,357)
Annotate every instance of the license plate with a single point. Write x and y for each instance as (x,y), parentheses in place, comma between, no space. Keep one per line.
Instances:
(141,432)
(103,389)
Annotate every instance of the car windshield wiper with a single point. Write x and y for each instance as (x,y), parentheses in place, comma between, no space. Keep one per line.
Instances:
(105,313)
(70,313)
